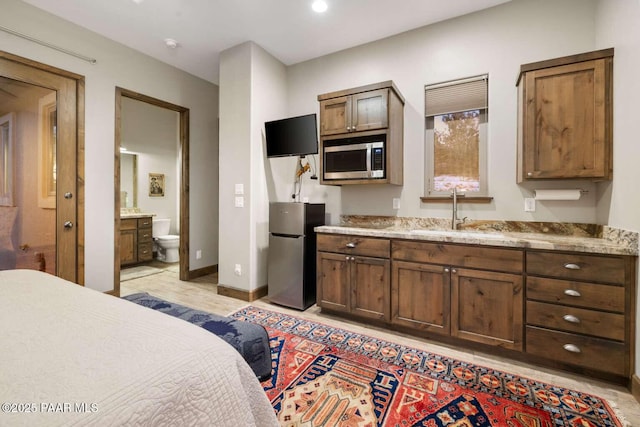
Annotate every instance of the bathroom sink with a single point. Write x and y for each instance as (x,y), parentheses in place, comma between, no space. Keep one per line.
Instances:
(458,233)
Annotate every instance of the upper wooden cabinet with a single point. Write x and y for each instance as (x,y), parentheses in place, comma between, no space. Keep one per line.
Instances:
(565,118)
(354,113)
(372,113)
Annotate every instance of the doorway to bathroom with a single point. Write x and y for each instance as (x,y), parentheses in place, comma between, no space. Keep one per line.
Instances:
(152,178)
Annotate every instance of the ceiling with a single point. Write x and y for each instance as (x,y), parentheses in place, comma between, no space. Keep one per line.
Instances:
(288,29)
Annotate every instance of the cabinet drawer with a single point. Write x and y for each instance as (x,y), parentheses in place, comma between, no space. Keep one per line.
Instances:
(575,266)
(580,294)
(594,353)
(582,321)
(145,252)
(144,235)
(508,260)
(354,245)
(144,222)
(128,224)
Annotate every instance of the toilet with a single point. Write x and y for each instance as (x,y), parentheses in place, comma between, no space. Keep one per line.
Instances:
(168,245)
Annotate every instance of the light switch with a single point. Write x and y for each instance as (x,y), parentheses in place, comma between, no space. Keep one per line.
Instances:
(396,203)
(239,189)
(239,202)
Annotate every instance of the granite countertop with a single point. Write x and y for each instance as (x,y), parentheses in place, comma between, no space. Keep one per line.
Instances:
(132,213)
(597,240)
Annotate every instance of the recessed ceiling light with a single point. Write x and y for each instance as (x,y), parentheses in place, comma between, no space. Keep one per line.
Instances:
(319,6)
(171,43)
(137,1)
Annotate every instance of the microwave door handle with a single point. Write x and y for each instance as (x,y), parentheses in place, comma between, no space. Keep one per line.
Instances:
(369,160)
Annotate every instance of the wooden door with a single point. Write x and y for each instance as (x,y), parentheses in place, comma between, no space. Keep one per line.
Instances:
(64,164)
(565,118)
(370,287)
(487,307)
(335,116)
(421,297)
(369,110)
(333,281)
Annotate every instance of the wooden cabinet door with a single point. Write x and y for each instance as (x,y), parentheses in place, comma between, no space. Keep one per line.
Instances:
(333,281)
(370,287)
(487,307)
(566,130)
(128,246)
(335,116)
(369,110)
(421,297)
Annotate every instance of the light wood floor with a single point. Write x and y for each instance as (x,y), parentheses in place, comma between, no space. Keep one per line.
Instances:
(202,294)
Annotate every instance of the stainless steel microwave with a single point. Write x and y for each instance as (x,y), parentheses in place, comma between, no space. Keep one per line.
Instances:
(363,160)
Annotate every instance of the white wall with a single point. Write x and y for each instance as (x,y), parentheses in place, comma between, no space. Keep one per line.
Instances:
(495,41)
(120,66)
(252,91)
(617,26)
(153,134)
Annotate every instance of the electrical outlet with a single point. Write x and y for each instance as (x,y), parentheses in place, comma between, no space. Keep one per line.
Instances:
(529,204)
(239,189)
(396,203)
(238,270)
(239,202)
(198,254)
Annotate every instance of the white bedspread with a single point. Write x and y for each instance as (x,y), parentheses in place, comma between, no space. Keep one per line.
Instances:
(74,356)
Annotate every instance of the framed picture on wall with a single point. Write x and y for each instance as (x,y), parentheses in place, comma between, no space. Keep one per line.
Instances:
(156,185)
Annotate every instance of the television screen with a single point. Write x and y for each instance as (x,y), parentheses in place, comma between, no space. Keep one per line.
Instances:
(295,136)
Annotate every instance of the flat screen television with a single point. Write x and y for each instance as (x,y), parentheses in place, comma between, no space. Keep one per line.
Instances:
(295,136)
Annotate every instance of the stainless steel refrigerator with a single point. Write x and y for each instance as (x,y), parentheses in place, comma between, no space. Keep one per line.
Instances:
(291,271)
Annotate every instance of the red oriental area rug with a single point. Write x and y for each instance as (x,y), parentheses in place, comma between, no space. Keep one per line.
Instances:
(326,376)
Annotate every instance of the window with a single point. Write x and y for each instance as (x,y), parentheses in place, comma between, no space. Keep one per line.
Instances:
(456,137)
(6,159)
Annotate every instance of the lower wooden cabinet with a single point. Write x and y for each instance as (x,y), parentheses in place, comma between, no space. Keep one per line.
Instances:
(136,240)
(568,310)
(466,303)
(421,297)
(580,310)
(351,282)
(487,307)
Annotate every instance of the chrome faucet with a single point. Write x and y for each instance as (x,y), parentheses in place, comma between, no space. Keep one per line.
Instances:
(454,217)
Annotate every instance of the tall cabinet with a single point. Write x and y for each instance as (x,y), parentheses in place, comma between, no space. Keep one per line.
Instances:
(565,118)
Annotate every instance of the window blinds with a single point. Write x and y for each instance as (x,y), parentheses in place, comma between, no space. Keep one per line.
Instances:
(457,95)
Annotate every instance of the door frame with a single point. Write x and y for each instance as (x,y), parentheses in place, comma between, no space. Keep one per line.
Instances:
(184,179)
(30,71)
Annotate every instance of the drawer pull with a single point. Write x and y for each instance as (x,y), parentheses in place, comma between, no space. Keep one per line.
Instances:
(570,318)
(572,293)
(572,266)
(572,348)
(351,245)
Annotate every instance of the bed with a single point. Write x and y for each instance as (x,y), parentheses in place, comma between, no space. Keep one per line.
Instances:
(71,355)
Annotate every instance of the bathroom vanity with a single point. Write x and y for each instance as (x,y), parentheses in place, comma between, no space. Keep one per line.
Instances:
(562,301)
(136,243)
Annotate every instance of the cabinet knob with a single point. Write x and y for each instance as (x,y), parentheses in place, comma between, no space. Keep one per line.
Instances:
(572,348)
(454,271)
(68,195)
(529,174)
(446,270)
(570,318)
(572,266)
(68,224)
(351,245)
(572,293)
